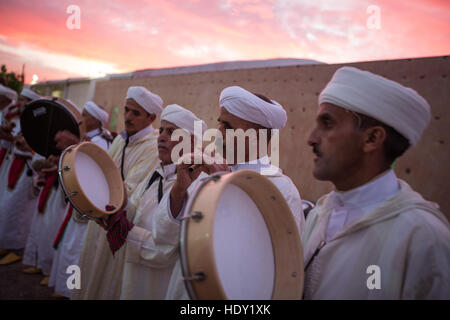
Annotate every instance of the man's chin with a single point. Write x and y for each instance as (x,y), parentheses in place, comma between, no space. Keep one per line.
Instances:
(320,175)
(130,131)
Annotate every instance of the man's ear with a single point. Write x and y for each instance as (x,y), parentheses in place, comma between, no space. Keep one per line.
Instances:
(152,117)
(374,138)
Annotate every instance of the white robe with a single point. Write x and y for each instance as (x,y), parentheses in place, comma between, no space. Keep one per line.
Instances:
(144,275)
(102,272)
(39,248)
(404,242)
(69,247)
(16,209)
(171,227)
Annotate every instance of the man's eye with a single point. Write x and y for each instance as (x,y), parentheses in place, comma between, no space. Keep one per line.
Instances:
(327,123)
(136,113)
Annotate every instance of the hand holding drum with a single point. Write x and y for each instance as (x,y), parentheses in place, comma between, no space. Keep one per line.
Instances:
(65,139)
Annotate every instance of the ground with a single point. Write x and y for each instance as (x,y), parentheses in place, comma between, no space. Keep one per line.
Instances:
(16,285)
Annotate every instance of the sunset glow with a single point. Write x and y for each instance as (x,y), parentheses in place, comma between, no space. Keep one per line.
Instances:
(123,36)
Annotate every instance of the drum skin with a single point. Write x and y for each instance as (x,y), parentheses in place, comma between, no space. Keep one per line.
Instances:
(42,119)
(197,247)
(72,187)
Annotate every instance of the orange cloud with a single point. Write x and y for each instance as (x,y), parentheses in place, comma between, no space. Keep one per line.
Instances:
(120,36)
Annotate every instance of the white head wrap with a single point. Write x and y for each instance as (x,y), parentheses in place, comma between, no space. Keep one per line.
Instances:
(30,94)
(247,106)
(97,112)
(387,101)
(9,93)
(150,102)
(182,118)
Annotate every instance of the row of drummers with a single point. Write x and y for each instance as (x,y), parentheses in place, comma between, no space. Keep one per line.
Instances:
(140,225)
(124,193)
(34,214)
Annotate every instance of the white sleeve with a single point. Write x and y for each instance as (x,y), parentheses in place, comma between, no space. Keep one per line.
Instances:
(158,247)
(102,143)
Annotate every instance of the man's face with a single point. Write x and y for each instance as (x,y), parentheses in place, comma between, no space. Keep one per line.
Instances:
(90,122)
(136,118)
(336,143)
(165,145)
(22,102)
(229,121)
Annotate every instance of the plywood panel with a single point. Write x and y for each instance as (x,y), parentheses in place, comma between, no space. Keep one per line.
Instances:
(297,89)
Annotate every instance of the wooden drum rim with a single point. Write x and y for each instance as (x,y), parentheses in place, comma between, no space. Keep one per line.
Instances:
(197,244)
(70,182)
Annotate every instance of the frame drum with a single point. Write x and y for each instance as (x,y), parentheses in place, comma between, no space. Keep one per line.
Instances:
(239,240)
(42,119)
(91,180)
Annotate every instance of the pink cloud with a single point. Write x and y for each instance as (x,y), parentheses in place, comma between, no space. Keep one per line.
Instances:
(130,35)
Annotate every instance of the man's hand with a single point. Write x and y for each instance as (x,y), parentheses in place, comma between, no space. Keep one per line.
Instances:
(102,222)
(21,144)
(5,132)
(65,139)
(187,172)
(53,160)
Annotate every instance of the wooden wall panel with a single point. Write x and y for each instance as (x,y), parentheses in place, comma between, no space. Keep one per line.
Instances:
(297,88)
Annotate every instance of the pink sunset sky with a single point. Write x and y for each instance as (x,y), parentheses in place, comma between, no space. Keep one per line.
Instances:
(122,36)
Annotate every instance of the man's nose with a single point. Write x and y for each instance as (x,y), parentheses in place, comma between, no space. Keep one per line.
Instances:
(312,139)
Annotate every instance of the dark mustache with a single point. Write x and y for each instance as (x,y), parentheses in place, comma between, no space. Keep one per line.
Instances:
(127,122)
(316,151)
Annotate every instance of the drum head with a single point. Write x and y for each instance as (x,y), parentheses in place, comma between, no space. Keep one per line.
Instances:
(42,119)
(239,240)
(245,271)
(91,180)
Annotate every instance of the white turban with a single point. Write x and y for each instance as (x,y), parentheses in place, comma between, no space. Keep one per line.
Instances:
(182,118)
(30,94)
(9,93)
(247,106)
(150,102)
(97,112)
(384,100)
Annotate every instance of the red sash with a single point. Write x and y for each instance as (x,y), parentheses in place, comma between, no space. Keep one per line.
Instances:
(2,155)
(62,228)
(16,169)
(45,193)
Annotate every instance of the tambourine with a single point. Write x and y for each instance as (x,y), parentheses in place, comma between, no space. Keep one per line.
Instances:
(91,180)
(239,240)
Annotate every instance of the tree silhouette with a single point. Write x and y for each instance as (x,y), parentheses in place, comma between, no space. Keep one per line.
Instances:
(11,79)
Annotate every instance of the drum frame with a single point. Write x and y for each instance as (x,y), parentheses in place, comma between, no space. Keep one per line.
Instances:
(200,276)
(72,187)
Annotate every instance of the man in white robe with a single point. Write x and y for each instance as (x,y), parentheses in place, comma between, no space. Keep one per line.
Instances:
(135,153)
(8,99)
(17,197)
(68,241)
(48,214)
(145,275)
(239,109)
(373,237)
